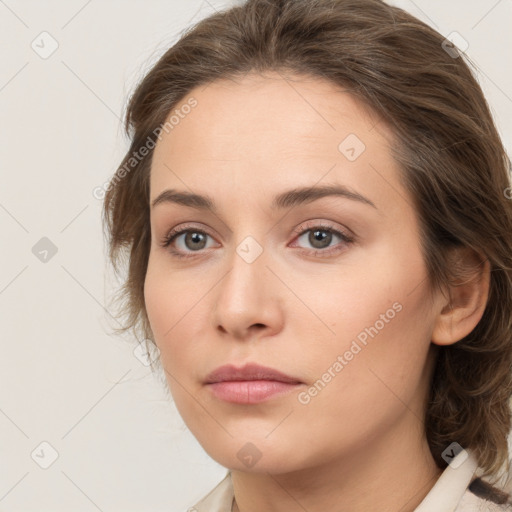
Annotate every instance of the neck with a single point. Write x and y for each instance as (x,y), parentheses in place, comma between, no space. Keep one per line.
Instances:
(394,472)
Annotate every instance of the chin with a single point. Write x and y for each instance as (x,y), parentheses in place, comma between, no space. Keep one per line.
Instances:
(254,454)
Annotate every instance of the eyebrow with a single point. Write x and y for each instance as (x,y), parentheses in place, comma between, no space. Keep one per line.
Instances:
(290,198)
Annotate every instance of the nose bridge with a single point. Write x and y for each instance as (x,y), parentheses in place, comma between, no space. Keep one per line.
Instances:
(247,295)
(246,281)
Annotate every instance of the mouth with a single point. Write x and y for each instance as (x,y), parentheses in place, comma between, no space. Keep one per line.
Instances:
(250,384)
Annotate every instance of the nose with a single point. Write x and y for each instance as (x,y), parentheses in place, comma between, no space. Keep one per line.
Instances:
(249,302)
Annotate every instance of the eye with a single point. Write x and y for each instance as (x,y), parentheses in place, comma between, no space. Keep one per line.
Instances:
(321,237)
(186,239)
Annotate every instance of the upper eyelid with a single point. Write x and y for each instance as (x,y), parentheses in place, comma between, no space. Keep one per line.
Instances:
(305,226)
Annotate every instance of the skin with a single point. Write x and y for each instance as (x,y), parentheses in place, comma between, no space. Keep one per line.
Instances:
(359,444)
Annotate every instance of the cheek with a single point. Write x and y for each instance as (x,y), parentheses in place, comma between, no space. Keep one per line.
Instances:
(376,318)
(376,381)
(175,308)
(167,296)
(165,308)
(380,289)
(164,313)
(157,300)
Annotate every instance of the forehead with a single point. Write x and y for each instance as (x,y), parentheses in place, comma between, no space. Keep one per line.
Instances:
(278,129)
(296,107)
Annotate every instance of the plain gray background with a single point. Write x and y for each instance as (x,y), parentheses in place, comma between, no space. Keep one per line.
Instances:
(120,444)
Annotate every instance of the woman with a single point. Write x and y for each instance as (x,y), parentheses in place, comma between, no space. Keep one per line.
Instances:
(319,238)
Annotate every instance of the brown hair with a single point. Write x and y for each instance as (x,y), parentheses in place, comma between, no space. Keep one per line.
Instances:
(452,160)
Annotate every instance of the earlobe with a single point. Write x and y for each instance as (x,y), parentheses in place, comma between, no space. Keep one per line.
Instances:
(460,313)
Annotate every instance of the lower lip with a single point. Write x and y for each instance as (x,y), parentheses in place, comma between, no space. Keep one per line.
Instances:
(250,391)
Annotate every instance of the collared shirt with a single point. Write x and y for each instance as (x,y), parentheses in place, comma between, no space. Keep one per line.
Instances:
(458,489)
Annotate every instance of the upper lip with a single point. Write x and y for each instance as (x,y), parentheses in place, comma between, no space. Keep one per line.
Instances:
(250,371)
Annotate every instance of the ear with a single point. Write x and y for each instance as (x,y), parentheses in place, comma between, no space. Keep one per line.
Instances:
(467,297)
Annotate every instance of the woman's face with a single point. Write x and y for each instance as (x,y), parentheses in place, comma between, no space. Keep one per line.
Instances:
(327,288)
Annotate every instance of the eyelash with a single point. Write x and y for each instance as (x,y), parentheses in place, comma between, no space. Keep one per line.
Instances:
(302,229)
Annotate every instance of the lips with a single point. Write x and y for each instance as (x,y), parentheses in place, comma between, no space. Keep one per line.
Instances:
(250,371)
(250,384)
